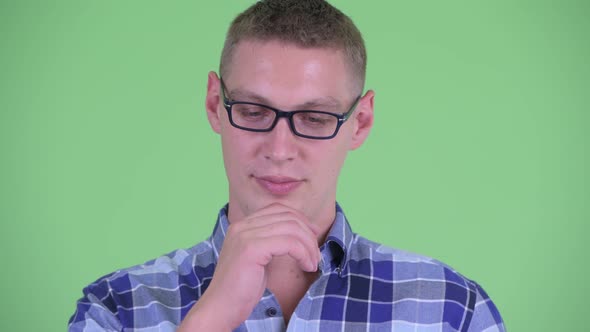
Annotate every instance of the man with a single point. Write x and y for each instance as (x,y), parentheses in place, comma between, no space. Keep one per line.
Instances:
(288,106)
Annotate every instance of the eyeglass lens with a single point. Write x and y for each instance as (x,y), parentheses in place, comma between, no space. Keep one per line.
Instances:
(308,123)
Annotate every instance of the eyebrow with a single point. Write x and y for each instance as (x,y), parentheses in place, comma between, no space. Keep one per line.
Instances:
(321,102)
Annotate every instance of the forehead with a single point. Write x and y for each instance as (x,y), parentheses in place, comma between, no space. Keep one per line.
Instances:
(274,65)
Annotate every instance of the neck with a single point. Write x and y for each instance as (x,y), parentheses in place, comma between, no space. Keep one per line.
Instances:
(288,283)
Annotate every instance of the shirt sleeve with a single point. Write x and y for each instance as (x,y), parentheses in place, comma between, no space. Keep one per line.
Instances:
(486,317)
(93,312)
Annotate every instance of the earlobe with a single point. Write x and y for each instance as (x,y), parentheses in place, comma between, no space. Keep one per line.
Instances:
(212,101)
(363,120)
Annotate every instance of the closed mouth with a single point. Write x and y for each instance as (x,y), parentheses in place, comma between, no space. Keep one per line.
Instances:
(278,185)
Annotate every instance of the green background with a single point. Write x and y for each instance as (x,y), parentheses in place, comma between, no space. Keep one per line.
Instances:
(479,155)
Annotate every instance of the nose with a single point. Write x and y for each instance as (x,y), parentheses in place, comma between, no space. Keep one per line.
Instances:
(281,143)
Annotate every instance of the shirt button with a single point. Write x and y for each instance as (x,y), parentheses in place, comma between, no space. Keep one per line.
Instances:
(271,312)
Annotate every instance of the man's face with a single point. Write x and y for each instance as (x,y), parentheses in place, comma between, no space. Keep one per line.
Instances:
(277,166)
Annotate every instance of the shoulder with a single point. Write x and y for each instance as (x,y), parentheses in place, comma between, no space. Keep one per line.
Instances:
(395,265)
(155,287)
(409,263)
(416,280)
(165,271)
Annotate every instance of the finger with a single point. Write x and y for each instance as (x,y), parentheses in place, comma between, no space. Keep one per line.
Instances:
(287,245)
(279,208)
(283,213)
(276,208)
(267,219)
(283,227)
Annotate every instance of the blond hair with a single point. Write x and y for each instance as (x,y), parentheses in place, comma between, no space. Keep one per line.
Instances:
(304,23)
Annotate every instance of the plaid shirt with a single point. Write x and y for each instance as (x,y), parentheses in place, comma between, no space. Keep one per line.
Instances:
(363,286)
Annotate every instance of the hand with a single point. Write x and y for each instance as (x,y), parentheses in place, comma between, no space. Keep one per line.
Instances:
(240,277)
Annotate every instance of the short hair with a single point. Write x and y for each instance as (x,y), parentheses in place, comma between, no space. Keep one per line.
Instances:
(304,23)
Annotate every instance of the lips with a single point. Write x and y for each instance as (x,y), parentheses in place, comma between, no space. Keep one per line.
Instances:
(278,185)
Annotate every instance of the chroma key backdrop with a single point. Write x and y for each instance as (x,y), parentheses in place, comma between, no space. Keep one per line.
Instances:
(479,155)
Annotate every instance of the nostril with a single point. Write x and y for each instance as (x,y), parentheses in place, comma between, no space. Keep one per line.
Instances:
(280,143)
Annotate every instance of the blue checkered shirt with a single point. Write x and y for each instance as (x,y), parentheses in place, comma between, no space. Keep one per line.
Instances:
(363,286)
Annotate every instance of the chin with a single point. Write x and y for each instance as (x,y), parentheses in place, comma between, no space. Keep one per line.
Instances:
(264,201)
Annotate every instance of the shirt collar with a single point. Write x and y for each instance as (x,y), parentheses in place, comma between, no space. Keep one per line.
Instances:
(335,250)
(219,231)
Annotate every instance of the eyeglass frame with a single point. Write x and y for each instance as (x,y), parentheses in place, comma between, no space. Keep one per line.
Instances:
(228,104)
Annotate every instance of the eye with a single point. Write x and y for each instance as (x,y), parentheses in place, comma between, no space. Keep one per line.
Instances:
(251,112)
(316,119)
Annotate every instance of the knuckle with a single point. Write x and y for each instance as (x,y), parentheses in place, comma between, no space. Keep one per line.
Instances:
(291,242)
(293,213)
(247,248)
(292,223)
(234,228)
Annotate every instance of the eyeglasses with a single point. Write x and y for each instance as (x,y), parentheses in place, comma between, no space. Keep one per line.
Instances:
(304,123)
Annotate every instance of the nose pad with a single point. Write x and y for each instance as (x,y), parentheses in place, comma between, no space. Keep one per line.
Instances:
(281,142)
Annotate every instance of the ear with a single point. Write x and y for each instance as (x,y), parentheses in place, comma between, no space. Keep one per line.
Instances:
(212,101)
(363,120)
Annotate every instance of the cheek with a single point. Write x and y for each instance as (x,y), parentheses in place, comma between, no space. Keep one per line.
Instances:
(237,152)
(231,153)
(329,161)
